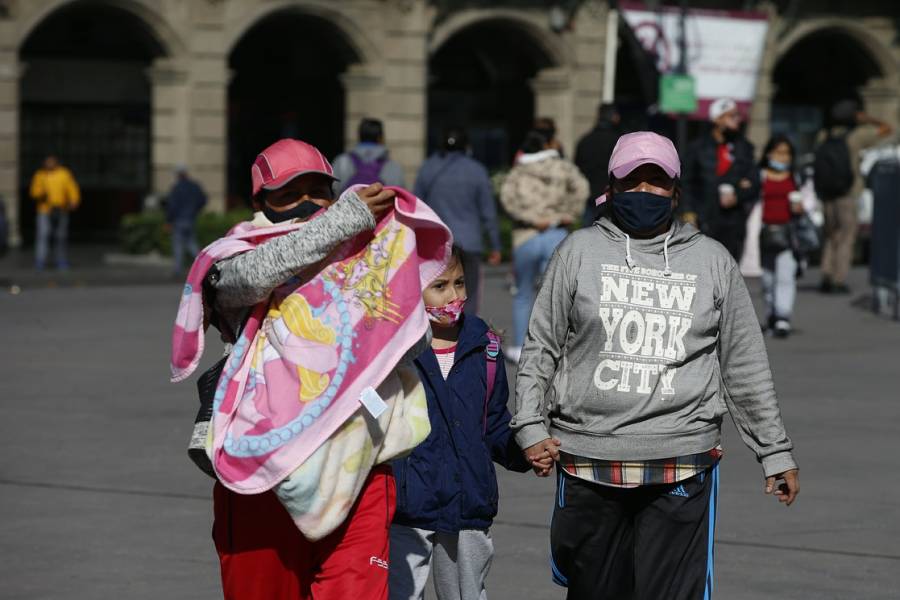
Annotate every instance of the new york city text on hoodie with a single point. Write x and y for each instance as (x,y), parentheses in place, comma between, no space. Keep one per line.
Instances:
(643,345)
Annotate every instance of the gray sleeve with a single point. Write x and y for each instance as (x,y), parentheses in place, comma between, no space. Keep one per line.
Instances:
(249,278)
(392,174)
(343,170)
(750,393)
(544,345)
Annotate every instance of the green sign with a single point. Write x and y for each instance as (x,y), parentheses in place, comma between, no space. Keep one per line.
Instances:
(677,94)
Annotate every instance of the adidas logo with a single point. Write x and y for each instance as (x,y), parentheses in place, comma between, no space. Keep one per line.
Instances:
(679,491)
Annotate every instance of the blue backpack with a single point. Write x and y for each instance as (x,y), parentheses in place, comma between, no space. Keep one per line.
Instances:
(366,172)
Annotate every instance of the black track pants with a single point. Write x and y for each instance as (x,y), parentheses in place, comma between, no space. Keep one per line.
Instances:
(645,543)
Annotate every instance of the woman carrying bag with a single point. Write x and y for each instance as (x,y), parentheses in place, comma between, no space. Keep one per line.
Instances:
(785,238)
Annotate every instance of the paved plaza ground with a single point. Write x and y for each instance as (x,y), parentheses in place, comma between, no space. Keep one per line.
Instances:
(98,499)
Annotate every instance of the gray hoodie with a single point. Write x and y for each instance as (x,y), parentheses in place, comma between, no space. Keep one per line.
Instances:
(641,347)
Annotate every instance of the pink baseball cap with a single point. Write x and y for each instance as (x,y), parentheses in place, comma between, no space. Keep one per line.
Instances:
(285,160)
(642,148)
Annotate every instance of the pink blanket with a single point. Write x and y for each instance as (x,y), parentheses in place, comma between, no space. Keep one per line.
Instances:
(298,370)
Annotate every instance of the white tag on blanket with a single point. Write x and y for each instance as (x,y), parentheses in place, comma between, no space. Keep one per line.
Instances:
(373,402)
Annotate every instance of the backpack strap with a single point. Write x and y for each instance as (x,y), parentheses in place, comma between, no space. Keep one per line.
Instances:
(491,353)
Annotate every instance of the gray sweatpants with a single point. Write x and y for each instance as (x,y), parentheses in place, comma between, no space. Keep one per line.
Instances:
(461,563)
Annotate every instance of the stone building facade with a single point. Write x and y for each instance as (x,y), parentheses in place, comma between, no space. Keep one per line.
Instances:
(155,83)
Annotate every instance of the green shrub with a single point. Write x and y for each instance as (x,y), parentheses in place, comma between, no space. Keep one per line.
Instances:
(145,232)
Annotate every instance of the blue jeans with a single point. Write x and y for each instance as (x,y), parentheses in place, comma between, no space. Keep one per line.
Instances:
(530,261)
(55,223)
(183,239)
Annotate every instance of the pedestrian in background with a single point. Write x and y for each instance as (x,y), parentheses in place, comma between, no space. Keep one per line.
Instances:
(459,190)
(642,338)
(593,152)
(544,194)
(56,193)
(447,495)
(781,201)
(546,126)
(721,179)
(838,184)
(183,205)
(369,161)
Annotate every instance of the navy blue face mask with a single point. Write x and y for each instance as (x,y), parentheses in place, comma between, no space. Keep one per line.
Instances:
(641,212)
(304,210)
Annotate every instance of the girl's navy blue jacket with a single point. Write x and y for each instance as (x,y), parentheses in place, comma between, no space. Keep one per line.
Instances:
(448,482)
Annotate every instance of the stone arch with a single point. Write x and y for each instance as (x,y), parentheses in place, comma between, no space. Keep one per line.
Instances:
(260,49)
(555,52)
(164,35)
(819,62)
(352,34)
(494,71)
(876,49)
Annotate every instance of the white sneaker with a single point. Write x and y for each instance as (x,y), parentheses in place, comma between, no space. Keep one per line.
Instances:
(782,328)
(512,354)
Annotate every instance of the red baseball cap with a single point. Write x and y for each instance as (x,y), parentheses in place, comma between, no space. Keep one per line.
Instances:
(285,160)
(641,148)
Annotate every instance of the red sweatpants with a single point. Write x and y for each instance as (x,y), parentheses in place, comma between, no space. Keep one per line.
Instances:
(264,556)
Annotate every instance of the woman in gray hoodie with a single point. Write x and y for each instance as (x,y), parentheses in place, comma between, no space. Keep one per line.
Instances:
(643,336)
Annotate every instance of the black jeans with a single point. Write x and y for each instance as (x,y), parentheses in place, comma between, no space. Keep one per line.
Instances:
(644,543)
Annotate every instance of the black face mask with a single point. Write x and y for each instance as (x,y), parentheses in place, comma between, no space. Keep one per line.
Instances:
(731,134)
(641,212)
(304,210)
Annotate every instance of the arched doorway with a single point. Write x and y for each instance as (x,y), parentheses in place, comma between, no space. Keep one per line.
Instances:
(480,77)
(286,82)
(820,69)
(85,97)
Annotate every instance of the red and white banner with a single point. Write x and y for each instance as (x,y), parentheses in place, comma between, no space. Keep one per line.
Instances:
(724,49)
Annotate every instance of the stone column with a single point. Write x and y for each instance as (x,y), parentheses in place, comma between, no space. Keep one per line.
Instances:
(169,95)
(405,64)
(759,125)
(553,97)
(881,100)
(589,68)
(208,132)
(363,97)
(10,77)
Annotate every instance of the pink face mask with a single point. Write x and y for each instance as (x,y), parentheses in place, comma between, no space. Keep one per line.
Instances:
(452,311)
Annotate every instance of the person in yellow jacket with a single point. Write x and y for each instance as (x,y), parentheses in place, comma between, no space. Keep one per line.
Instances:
(56,193)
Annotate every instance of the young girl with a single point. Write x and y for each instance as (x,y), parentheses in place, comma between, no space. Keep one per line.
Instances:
(447,487)
(776,250)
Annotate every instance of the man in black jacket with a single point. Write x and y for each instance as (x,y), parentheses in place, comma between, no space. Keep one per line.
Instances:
(721,179)
(593,152)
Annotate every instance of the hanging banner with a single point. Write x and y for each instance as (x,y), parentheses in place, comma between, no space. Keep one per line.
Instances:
(724,49)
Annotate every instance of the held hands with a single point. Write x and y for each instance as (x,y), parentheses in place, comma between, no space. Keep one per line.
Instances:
(787,490)
(378,199)
(542,456)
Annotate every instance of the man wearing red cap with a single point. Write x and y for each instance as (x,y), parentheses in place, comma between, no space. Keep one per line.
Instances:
(262,552)
(643,336)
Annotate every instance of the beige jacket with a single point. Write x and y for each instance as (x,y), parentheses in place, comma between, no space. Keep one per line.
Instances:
(542,187)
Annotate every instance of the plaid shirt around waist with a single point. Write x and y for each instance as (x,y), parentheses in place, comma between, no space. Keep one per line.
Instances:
(634,473)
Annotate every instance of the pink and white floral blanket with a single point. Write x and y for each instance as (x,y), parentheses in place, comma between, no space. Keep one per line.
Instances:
(303,360)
